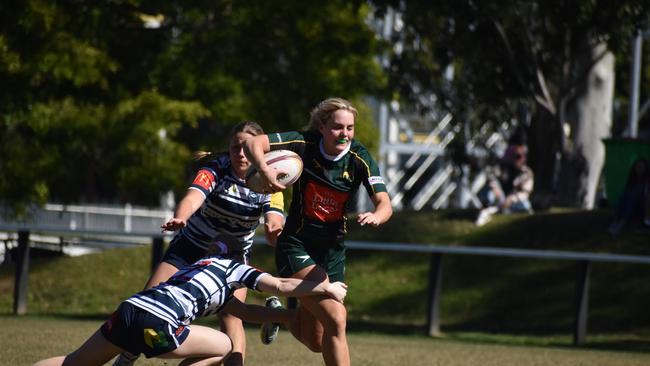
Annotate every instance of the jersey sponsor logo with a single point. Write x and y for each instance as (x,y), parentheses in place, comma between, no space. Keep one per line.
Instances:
(376,179)
(323,203)
(155,339)
(208,211)
(346,176)
(179,330)
(204,179)
(303,257)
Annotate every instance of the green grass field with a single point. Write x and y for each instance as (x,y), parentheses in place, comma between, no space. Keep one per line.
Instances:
(28,339)
(508,308)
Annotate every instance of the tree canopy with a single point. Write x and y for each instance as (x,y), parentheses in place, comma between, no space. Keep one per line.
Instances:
(485,60)
(104,101)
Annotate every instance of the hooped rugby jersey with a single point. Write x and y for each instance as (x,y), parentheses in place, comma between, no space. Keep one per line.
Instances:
(325,188)
(229,207)
(200,289)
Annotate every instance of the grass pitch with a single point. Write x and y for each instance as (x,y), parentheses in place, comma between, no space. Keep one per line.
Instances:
(28,339)
(495,311)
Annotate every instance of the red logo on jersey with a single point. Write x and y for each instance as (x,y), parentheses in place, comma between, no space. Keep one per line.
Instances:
(179,330)
(204,179)
(323,203)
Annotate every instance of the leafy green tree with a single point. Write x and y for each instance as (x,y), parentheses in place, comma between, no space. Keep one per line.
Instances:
(78,123)
(555,57)
(103,101)
(268,61)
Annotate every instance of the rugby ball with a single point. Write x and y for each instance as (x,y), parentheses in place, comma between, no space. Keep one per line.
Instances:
(287,161)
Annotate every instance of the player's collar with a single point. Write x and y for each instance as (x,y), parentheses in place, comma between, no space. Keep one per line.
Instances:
(233,174)
(333,157)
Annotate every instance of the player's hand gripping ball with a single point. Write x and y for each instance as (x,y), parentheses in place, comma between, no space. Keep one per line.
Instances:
(286,161)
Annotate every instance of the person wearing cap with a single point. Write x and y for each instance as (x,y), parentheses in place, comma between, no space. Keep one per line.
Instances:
(219,202)
(157,321)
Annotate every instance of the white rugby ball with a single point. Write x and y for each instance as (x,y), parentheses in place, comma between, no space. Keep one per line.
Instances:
(287,161)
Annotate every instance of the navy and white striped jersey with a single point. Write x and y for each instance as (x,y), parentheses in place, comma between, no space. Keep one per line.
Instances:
(229,207)
(197,290)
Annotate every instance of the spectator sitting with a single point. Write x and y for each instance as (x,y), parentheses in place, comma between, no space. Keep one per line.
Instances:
(509,185)
(635,200)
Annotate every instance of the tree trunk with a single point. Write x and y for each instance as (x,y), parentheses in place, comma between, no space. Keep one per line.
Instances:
(545,145)
(589,116)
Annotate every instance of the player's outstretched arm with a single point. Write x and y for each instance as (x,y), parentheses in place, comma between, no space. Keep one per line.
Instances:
(298,288)
(273,225)
(383,211)
(258,314)
(186,208)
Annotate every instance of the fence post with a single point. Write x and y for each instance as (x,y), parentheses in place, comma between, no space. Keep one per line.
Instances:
(157,249)
(22,273)
(435,274)
(581,302)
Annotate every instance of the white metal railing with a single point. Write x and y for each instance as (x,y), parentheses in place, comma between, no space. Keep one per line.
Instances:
(114,219)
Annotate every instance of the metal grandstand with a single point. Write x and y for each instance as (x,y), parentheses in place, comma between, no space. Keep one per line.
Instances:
(414,157)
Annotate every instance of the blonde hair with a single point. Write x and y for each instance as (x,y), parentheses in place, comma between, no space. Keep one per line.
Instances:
(324,112)
(249,127)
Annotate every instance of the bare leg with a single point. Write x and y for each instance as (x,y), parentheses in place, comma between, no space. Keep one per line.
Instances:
(97,350)
(203,346)
(162,273)
(332,320)
(234,328)
(308,330)
(323,321)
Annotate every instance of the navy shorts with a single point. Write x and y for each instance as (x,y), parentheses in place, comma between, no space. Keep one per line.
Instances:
(182,253)
(138,331)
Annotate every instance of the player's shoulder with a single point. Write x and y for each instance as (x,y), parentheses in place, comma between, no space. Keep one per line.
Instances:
(219,164)
(360,152)
(311,136)
(308,136)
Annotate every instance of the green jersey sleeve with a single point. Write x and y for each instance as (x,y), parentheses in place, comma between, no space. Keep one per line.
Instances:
(371,177)
(295,141)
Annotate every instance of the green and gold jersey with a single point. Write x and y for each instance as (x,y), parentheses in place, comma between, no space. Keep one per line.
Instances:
(325,189)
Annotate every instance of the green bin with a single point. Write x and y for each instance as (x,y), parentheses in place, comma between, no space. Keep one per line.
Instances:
(620,154)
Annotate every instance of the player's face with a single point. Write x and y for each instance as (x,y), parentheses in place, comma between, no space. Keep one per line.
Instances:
(237,157)
(338,132)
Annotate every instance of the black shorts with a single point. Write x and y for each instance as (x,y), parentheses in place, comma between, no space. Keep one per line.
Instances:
(293,253)
(138,331)
(182,253)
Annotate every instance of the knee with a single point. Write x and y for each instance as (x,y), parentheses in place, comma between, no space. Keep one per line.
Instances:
(336,319)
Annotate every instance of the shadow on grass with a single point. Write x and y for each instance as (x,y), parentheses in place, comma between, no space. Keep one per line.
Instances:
(469,334)
(457,333)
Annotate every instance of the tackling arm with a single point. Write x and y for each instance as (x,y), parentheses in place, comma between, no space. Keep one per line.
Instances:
(256,313)
(299,288)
